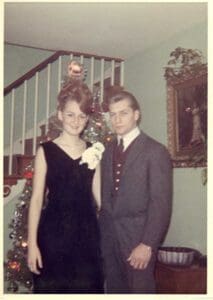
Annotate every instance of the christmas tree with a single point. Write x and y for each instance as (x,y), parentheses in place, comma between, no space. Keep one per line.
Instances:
(97,128)
(16,269)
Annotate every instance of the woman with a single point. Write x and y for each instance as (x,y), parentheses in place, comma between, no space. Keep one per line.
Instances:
(63,236)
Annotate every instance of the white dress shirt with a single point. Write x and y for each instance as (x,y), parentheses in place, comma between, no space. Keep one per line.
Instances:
(129,137)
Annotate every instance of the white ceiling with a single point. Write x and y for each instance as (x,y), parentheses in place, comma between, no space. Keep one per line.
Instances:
(108,29)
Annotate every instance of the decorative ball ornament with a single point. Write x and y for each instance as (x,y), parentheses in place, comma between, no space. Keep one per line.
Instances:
(11,235)
(14,265)
(75,71)
(24,244)
(28,283)
(28,175)
(22,203)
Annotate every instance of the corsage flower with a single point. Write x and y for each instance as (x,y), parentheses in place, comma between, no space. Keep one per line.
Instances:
(92,155)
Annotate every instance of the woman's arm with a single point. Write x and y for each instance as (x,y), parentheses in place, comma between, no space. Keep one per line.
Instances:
(96,186)
(34,257)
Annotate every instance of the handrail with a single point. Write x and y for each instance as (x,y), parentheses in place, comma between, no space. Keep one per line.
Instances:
(51,59)
(31,73)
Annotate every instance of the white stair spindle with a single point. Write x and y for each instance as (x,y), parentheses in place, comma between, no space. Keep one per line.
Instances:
(24,118)
(122,73)
(35,114)
(48,98)
(102,80)
(71,56)
(112,81)
(92,73)
(82,59)
(59,72)
(11,133)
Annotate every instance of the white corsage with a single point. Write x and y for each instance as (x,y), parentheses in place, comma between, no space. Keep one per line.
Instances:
(92,155)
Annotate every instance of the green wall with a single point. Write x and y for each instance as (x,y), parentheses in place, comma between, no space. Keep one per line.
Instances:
(144,77)
(19,60)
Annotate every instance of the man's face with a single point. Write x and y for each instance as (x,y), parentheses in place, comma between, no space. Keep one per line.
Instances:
(123,117)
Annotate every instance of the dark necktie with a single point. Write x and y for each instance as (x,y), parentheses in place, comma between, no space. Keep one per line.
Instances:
(120,147)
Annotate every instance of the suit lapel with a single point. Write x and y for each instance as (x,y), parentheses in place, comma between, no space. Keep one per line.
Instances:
(134,151)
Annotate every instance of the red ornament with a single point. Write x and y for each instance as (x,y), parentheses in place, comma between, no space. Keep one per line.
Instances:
(28,174)
(14,265)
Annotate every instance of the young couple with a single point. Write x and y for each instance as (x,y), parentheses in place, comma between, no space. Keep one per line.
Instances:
(66,251)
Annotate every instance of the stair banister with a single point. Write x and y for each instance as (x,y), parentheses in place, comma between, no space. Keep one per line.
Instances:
(59,73)
(122,74)
(112,77)
(51,59)
(48,98)
(102,80)
(35,113)
(11,131)
(32,72)
(92,73)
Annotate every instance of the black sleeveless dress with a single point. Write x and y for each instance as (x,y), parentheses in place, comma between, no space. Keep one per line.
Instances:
(68,233)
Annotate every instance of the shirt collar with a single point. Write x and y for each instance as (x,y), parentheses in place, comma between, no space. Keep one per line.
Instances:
(129,137)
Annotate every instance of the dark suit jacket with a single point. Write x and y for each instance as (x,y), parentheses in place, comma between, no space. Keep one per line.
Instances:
(141,210)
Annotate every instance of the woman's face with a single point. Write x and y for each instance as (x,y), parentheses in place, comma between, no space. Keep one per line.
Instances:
(72,118)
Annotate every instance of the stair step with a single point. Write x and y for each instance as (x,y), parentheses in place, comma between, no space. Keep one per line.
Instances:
(9,181)
(20,162)
(23,161)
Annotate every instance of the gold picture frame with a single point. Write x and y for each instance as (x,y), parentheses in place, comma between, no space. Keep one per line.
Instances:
(187,93)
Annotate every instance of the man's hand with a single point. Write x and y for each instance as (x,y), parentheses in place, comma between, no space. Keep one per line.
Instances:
(140,256)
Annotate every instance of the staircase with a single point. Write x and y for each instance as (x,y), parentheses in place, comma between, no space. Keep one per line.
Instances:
(36,93)
(20,162)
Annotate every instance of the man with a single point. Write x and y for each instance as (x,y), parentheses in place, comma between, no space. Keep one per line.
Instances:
(136,200)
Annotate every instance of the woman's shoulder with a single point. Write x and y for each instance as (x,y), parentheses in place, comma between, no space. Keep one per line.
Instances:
(45,144)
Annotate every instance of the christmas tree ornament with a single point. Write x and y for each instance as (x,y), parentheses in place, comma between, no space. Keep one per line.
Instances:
(14,265)
(11,235)
(24,244)
(28,284)
(28,174)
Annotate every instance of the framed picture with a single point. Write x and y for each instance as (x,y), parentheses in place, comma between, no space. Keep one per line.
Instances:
(187,107)
(187,117)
